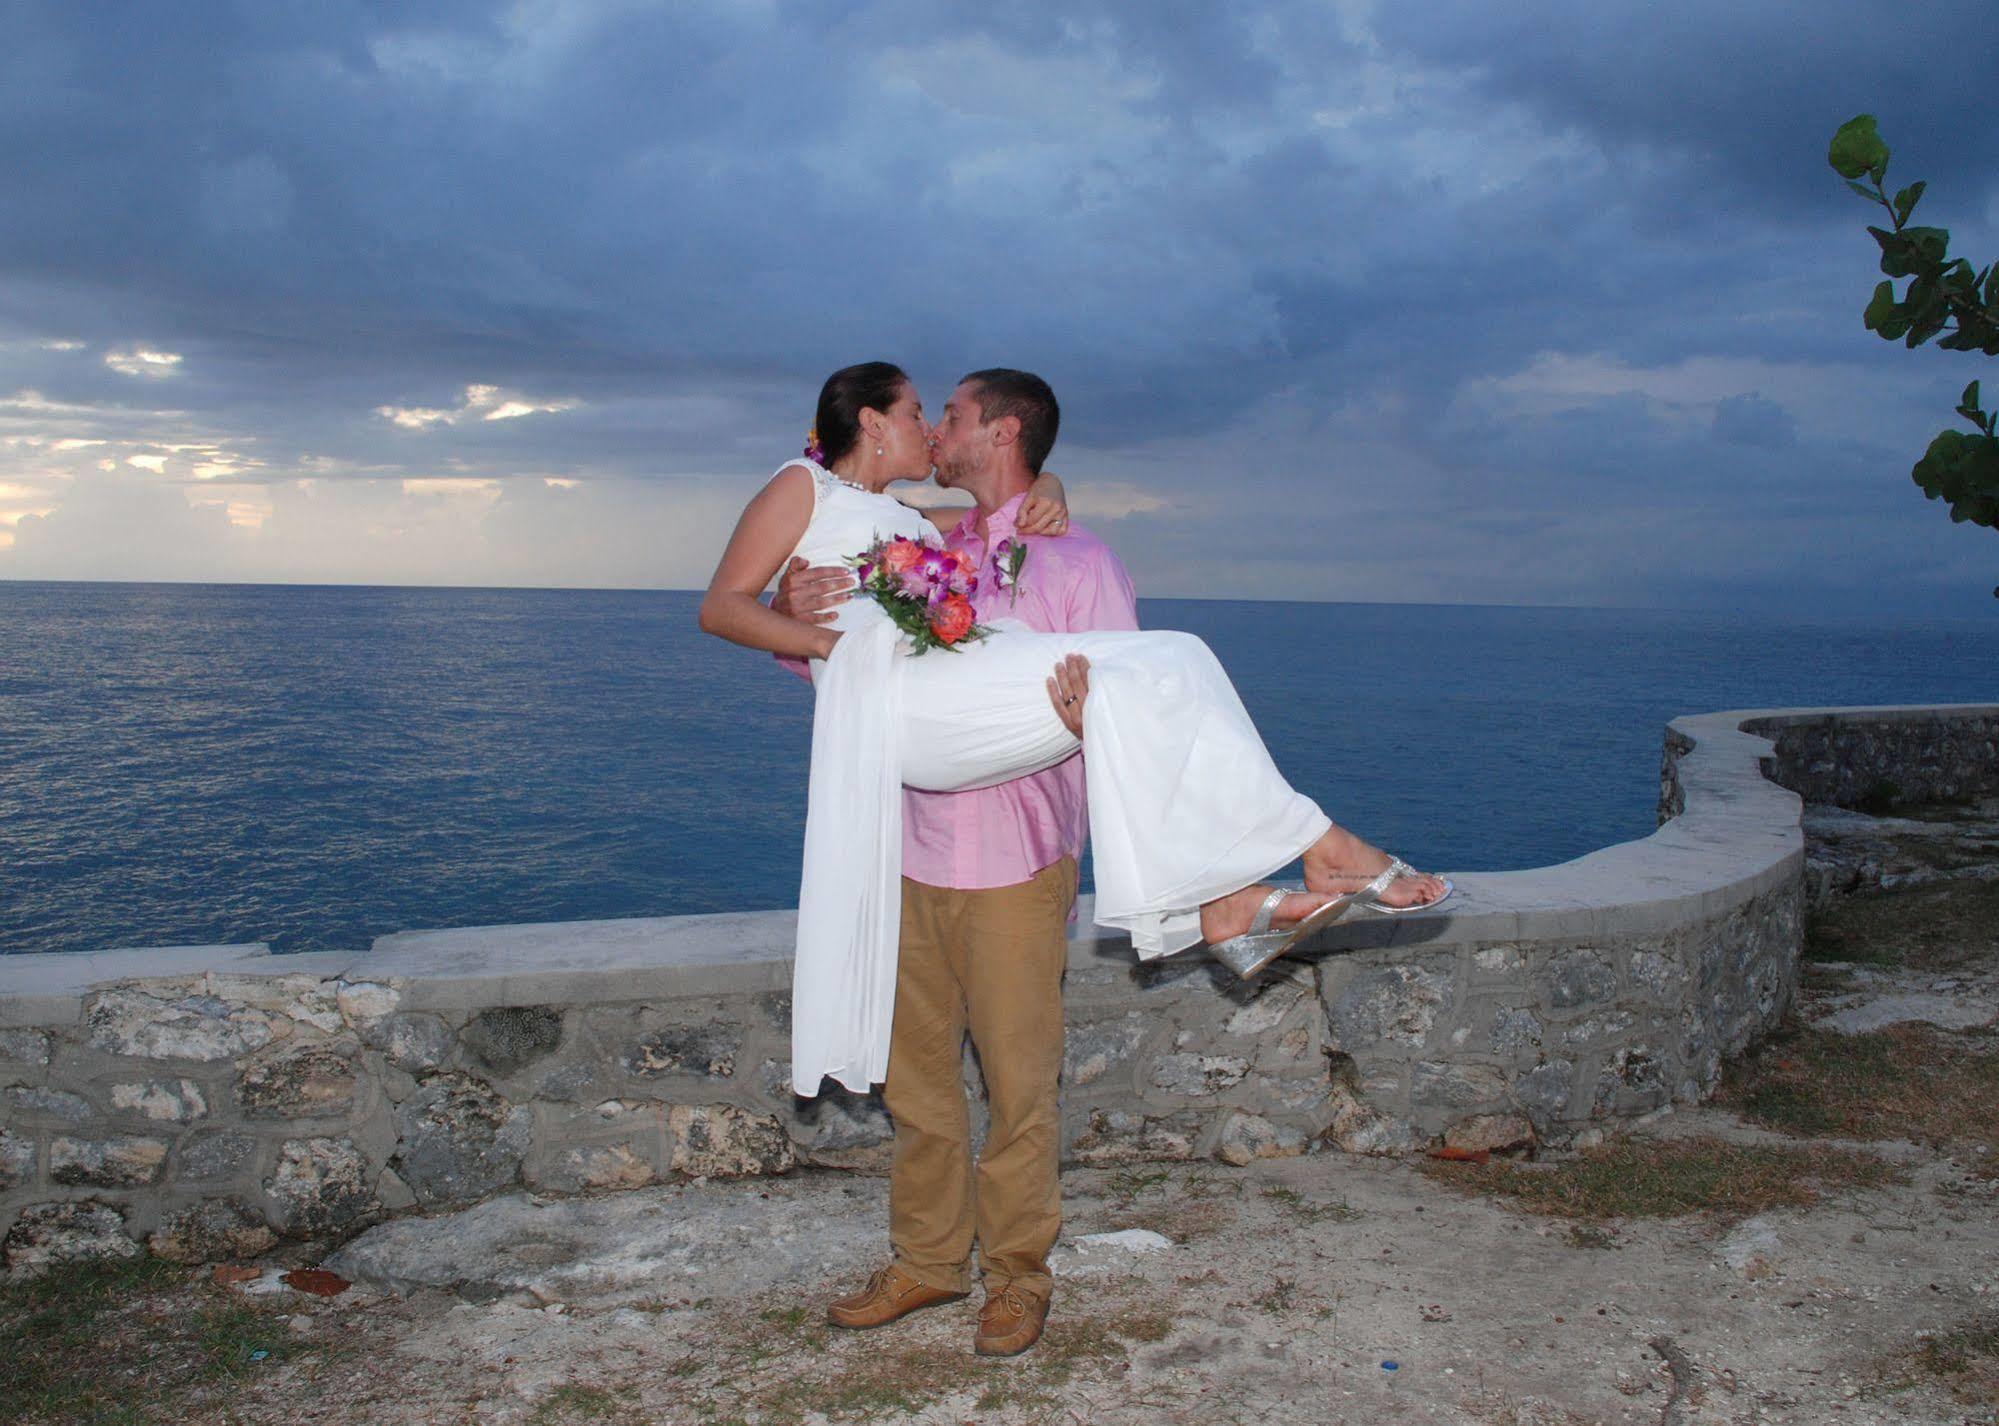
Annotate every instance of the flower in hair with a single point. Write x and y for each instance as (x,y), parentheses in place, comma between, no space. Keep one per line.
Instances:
(813,450)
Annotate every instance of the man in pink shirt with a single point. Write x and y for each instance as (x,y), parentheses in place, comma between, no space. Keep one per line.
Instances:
(989,883)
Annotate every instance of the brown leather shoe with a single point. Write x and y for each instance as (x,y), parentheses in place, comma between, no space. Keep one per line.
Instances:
(1009,1323)
(890,1293)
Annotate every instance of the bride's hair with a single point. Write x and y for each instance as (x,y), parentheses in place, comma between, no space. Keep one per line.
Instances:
(876,384)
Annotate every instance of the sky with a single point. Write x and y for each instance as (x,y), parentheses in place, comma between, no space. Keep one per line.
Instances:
(1545,303)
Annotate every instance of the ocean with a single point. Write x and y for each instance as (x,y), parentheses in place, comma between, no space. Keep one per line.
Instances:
(317,766)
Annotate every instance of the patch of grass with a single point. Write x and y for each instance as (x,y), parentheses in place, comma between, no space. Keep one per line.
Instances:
(1125,1186)
(1968,1358)
(1941,926)
(1280,1296)
(1964,1359)
(1301,1207)
(1633,1178)
(1904,1082)
(570,1402)
(1588,1235)
(748,1374)
(128,1341)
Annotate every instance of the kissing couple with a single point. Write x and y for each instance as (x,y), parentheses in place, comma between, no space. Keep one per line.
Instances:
(961,661)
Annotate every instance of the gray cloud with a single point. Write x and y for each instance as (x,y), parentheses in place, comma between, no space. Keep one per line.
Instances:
(1468,297)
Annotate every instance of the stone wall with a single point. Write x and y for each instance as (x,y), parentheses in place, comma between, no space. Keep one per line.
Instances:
(206,1100)
(1874,758)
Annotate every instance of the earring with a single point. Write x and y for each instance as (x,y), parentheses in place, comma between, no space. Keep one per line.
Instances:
(878,450)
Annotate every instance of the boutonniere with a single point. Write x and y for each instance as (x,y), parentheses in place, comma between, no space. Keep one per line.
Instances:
(1008,556)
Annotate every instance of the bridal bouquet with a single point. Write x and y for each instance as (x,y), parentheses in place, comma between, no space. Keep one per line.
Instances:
(926,591)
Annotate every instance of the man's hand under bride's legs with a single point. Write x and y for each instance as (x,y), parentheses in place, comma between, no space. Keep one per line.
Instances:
(1340,862)
(810,593)
(1067,689)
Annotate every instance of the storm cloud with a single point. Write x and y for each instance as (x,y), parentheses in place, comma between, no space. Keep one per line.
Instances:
(1554,303)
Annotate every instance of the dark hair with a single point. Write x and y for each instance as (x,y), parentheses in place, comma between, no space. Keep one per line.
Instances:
(1006,392)
(848,391)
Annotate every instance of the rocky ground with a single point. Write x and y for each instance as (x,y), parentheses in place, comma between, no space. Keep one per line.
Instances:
(1819,1245)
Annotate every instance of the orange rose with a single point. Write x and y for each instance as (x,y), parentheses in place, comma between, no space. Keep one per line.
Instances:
(965,561)
(901,554)
(952,619)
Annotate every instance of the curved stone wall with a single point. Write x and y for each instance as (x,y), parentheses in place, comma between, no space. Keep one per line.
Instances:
(205,1100)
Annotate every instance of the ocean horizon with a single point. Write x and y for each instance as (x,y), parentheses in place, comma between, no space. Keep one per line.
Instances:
(316,765)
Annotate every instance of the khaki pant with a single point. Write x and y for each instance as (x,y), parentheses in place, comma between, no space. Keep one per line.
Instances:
(990,962)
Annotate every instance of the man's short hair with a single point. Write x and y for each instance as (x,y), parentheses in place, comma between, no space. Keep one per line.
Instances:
(1002,391)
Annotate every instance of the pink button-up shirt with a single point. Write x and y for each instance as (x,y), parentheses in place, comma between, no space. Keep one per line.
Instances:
(998,836)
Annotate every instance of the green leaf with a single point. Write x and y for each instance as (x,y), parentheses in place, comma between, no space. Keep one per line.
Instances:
(1898,254)
(1905,201)
(1857,149)
(1933,244)
(1970,397)
(1871,195)
(1883,307)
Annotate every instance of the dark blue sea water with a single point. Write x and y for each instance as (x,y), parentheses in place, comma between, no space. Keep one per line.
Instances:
(314,767)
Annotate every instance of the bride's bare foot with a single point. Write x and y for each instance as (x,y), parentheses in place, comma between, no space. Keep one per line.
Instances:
(1340,863)
(1228,916)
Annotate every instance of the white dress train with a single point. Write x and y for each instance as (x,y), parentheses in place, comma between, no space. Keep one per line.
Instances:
(1185,803)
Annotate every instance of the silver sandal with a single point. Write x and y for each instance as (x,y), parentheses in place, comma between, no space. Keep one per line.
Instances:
(1368,898)
(1259,945)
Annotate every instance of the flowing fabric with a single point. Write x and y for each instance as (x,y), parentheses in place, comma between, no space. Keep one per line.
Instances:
(850,892)
(1185,802)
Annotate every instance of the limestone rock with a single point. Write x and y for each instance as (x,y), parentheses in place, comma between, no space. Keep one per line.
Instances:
(505,1040)
(1498,960)
(708,1050)
(1395,1004)
(1490,1133)
(363,1003)
(1752,1248)
(1198,1075)
(174,1101)
(457,1139)
(314,1082)
(26,1047)
(306,999)
(1633,1080)
(47,1234)
(17,1160)
(42,1102)
(1271,1003)
(839,1128)
(414,1041)
(619,1164)
(1115,1136)
(1094,1048)
(122,1161)
(220,1155)
(1865,1014)
(1442,1084)
(1544,1092)
(195,1026)
(1246,1137)
(1658,973)
(721,1141)
(321,1186)
(1359,1128)
(217,1229)
(648,1245)
(1516,1030)
(1579,977)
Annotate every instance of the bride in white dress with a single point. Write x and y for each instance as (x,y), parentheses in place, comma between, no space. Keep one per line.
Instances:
(1187,811)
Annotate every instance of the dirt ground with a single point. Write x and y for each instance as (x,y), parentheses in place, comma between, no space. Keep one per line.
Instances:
(1819,1246)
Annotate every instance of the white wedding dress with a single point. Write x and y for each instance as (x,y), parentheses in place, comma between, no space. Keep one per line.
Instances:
(1185,803)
